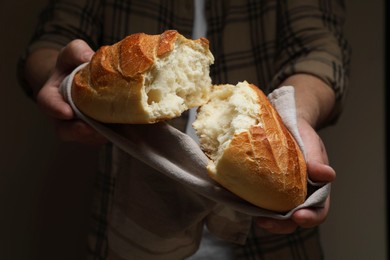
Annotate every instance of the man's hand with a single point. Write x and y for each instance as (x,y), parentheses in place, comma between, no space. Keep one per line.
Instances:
(49,98)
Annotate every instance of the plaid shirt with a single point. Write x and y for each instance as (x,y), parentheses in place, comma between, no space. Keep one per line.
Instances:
(261,41)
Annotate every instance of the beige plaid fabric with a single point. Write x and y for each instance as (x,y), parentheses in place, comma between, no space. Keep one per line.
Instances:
(261,41)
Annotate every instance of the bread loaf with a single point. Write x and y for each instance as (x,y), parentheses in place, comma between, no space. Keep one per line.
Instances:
(251,151)
(144,79)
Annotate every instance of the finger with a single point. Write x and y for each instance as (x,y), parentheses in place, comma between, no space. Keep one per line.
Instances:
(320,172)
(314,147)
(74,54)
(277,226)
(50,100)
(311,217)
(78,131)
(317,151)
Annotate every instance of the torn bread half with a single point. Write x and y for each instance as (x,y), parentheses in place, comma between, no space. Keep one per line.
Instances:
(251,152)
(144,79)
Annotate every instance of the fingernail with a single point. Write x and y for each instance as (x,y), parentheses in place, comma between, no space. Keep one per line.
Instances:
(88,55)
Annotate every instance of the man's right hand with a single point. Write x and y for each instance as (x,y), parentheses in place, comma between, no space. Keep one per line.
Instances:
(48,96)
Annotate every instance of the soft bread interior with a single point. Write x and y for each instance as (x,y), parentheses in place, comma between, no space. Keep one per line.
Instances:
(231,110)
(178,81)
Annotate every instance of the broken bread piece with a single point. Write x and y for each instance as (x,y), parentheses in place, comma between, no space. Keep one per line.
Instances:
(251,151)
(144,79)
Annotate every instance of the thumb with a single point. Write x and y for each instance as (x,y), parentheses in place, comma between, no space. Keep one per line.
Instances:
(320,172)
(316,155)
(73,54)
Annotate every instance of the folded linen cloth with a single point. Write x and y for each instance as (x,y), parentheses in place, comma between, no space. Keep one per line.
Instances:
(151,157)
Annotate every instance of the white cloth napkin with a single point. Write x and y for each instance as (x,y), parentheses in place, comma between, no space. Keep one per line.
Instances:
(179,157)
